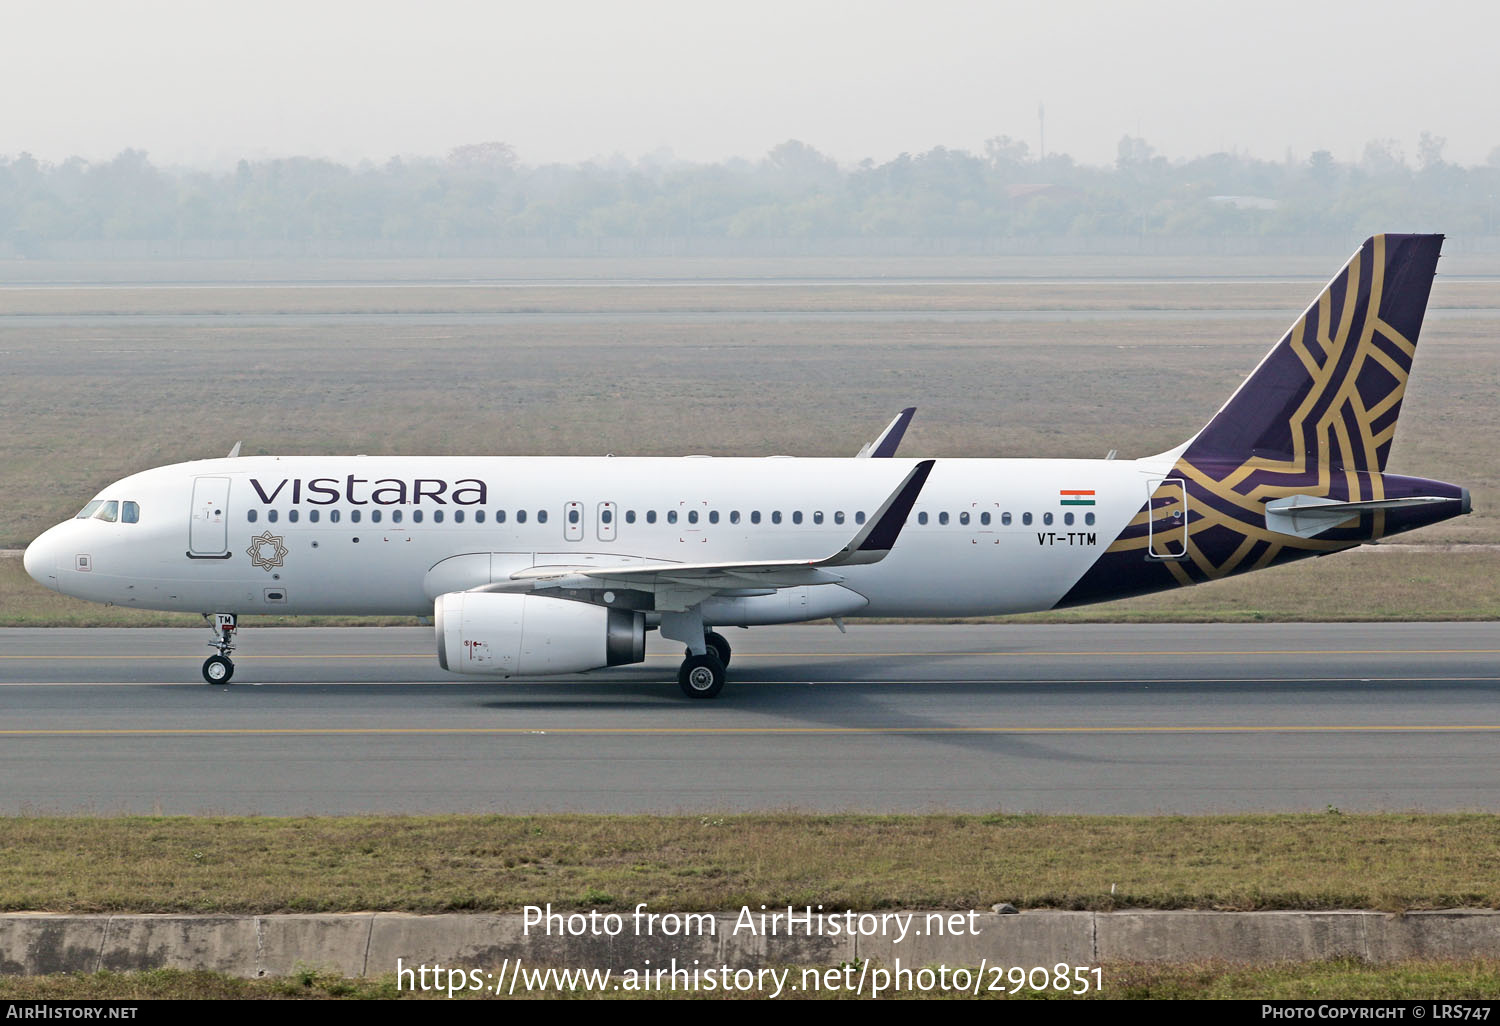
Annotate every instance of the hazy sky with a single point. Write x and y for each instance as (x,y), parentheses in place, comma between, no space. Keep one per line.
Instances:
(206,82)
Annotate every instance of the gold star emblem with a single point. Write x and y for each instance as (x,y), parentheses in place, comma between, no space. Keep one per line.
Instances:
(267,551)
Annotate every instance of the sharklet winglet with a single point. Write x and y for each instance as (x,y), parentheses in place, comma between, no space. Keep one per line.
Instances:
(884,527)
(885,445)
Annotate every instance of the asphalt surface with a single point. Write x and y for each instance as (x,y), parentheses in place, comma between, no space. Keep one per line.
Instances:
(1097,719)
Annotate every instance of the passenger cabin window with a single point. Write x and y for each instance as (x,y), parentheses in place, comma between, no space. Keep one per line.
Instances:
(984,519)
(1026,518)
(943,519)
(963,518)
(859,518)
(573,516)
(713,516)
(650,516)
(755,516)
(437,516)
(776,516)
(458,516)
(817,516)
(671,516)
(922,518)
(1088,518)
(1005,519)
(692,516)
(312,516)
(333,516)
(630,516)
(374,516)
(291,516)
(605,517)
(1068,519)
(520,516)
(416,516)
(838,518)
(797,516)
(1046,518)
(395,516)
(479,516)
(541,516)
(353,516)
(271,515)
(499,516)
(250,515)
(734,516)
(130,513)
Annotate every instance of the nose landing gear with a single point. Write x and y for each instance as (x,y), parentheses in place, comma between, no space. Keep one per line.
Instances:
(218,669)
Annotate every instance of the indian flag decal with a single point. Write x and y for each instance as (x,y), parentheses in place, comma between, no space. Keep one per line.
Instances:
(1076,496)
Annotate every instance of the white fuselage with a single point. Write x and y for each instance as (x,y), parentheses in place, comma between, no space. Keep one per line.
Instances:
(280,535)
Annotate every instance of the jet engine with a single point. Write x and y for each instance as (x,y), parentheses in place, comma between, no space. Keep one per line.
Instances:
(503,634)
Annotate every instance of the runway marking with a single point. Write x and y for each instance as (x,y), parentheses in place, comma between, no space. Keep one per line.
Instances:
(625,681)
(860,654)
(744,731)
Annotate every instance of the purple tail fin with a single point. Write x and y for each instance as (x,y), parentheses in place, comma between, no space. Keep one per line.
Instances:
(1312,426)
(1328,395)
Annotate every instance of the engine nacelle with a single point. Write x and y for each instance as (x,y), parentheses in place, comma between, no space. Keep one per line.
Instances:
(504,634)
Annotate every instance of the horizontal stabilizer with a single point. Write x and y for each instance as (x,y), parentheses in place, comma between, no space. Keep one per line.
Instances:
(1307,516)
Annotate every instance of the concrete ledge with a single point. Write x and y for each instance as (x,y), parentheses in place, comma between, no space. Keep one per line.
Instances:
(369,944)
(32,944)
(1027,939)
(224,944)
(1244,937)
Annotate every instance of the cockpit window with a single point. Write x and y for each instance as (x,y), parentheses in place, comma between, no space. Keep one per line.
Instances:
(130,513)
(109,512)
(89,510)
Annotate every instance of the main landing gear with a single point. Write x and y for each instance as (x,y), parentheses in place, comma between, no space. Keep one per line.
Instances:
(715,643)
(702,676)
(217,669)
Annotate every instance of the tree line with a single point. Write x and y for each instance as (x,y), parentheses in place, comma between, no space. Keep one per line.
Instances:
(483,192)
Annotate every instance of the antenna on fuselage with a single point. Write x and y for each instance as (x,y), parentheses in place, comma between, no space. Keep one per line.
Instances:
(235,451)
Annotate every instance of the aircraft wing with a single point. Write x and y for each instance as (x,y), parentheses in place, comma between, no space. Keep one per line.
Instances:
(884,445)
(869,545)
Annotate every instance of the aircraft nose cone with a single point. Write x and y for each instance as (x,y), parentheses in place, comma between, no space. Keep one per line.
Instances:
(40,561)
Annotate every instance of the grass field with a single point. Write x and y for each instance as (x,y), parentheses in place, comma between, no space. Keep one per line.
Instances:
(1391,862)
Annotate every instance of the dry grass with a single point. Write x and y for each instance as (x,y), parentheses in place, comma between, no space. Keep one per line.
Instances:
(1335,980)
(708,863)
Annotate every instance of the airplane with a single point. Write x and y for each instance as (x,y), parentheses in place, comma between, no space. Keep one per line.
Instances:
(551,565)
